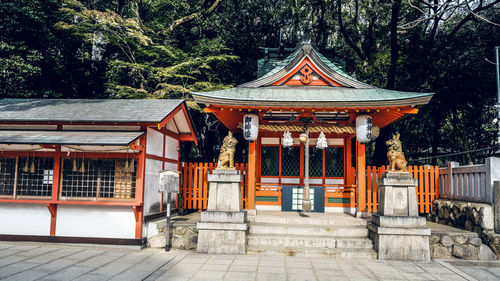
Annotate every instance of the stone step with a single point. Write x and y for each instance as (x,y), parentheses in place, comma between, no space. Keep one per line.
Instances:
(313,252)
(309,230)
(331,219)
(309,241)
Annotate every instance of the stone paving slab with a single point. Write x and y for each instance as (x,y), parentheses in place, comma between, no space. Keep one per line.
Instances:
(32,261)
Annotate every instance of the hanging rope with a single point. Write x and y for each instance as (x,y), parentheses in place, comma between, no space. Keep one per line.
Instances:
(312,129)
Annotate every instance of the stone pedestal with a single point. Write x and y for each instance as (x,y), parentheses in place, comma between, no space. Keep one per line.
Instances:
(223,226)
(397,231)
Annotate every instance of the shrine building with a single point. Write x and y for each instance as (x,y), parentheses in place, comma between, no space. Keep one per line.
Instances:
(86,171)
(308,91)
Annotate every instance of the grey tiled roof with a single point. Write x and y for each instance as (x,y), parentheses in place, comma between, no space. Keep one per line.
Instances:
(315,96)
(68,137)
(87,110)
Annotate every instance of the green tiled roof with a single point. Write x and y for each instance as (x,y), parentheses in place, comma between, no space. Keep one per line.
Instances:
(352,93)
(317,95)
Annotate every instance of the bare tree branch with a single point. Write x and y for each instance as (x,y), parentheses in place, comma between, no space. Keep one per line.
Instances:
(193,16)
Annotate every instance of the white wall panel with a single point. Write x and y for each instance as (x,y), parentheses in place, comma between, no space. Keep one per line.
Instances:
(152,198)
(290,180)
(171,146)
(154,143)
(95,221)
(24,219)
(171,126)
(269,180)
(270,141)
(337,141)
(334,181)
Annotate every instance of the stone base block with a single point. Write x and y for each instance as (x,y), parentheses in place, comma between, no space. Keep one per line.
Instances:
(399,221)
(406,244)
(226,217)
(214,241)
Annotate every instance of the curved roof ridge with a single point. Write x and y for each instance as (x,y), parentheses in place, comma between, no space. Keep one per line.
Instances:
(289,63)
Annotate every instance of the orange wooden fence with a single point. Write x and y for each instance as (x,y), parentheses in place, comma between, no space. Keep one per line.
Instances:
(194,184)
(427,188)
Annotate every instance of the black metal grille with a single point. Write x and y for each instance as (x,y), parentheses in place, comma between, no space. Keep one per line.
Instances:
(270,161)
(95,178)
(7,176)
(35,176)
(290,161)
(315,162)
(334,162)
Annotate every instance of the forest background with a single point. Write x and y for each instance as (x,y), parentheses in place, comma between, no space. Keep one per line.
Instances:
(169,48)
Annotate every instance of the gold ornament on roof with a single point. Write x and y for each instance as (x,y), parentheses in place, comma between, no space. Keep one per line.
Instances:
(226,156)
(397,161)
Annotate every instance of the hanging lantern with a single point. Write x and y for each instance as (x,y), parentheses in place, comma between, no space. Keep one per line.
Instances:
(250,127)
(321,143)
(287,139)
(364,128)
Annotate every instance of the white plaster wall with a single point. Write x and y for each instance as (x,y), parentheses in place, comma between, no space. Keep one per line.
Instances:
(24,219)
(182,122)
(154,142)
(171,146)
(171,126)
(152,198)
(95,221)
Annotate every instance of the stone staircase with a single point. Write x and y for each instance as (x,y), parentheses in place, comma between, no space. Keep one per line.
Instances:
(314,234)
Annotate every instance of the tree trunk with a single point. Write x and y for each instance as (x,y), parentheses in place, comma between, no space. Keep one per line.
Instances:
(391,76)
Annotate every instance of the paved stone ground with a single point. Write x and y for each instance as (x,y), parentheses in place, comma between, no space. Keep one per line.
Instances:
(32,261)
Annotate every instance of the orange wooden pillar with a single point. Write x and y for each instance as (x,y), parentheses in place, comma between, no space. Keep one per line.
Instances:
(55,192)
(252,167)
(361,167)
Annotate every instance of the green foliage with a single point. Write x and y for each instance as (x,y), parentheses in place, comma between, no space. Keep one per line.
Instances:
(128,49)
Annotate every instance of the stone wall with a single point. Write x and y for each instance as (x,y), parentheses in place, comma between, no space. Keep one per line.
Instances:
(474,217)
(448,242)
(184,232)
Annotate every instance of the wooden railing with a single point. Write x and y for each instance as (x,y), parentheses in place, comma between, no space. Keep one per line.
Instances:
(473,183)
(427,188)
(194,184)
(340,195)
(268,194)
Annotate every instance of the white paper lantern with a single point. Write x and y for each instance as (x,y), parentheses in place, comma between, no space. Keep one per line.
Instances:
(250,127)
(364,128)
(287,139)
(321,143)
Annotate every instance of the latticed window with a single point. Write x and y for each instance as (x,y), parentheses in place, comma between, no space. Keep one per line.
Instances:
(7,176)
(26,177)
(290,161)
(96,178)
(315,162)
(334,162)
(270,157)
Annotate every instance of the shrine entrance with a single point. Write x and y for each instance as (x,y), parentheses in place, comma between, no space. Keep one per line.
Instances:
(305,106)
